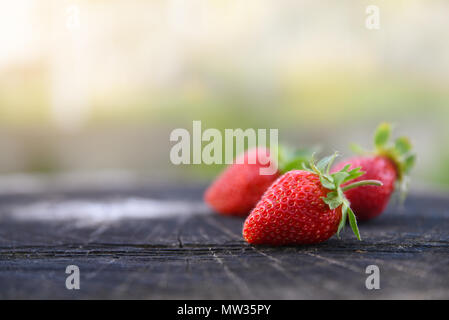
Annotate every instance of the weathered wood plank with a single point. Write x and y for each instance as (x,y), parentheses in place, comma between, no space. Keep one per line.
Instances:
(190,255)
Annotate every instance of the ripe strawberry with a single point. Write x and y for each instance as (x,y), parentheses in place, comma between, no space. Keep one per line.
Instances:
(237,190)
(304,206)
(389,163)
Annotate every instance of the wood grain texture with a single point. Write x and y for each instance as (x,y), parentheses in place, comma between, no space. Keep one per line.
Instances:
(189,256)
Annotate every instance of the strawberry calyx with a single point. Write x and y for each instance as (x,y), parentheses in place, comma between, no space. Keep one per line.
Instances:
(333,182)
(398,151)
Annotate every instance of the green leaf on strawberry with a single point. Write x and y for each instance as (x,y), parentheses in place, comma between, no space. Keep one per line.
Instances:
(291,159)
(398,151)
(334,181)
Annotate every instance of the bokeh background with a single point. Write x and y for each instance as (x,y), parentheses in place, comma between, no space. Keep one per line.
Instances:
(94,88)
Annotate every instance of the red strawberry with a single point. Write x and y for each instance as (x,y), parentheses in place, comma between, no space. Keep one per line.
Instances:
(237,190)
(368,201)
(390,164)
(303,207)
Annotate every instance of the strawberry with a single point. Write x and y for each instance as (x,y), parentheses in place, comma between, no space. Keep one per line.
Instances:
(389,163)
(304,206)
(237,190)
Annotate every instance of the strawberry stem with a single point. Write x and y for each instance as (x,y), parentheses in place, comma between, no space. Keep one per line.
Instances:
(362,183)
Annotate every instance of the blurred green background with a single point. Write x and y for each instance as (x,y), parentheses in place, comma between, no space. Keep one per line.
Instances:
(97,86)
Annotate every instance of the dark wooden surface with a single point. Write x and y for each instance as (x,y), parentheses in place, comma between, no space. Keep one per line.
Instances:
(188,256)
